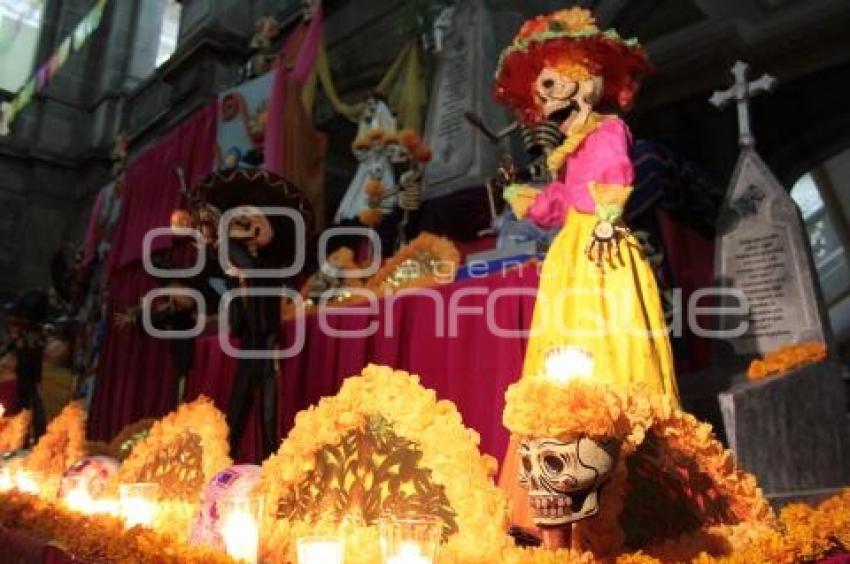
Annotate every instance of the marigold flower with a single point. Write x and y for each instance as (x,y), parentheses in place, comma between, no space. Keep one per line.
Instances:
(371,217)
(374,188)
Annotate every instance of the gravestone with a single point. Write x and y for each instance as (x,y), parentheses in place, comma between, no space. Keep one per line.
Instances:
(462,158)
(791,431)
(763,252)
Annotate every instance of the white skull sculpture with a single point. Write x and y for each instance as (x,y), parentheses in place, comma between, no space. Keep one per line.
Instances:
(563,478)
(566,101)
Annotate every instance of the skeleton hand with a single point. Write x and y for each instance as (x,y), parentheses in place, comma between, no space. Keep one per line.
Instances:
(604,244)
(506,172)
(122,320)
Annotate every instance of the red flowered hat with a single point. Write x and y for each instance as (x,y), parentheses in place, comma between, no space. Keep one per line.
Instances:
(568,40)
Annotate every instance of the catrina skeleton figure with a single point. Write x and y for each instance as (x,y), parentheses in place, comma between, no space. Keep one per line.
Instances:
(597,292)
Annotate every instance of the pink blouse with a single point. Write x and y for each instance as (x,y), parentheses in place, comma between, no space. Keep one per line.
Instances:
(603,157)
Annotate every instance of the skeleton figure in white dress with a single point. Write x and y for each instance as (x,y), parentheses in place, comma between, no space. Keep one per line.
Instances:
(374,153)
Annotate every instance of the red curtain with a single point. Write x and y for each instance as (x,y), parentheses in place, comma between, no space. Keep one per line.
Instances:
(135,378)
(472,368)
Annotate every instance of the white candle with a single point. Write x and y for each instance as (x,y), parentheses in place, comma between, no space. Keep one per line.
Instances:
(564,363)
(408,553)
(320,551)
(138,503)
(6,482)
(26,482)
(241,535)
(137,511)
(79,499)
(106,507)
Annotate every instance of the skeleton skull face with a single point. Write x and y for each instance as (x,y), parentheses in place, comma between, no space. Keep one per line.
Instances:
(563,478)
(250,226)
(563,99)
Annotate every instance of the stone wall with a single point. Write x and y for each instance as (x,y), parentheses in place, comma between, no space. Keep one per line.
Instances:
(57,158)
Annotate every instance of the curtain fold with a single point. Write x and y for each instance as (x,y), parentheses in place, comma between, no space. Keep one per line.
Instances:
(135,377)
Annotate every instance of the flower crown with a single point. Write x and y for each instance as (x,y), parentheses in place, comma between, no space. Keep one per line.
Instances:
(570,41)
(572,20)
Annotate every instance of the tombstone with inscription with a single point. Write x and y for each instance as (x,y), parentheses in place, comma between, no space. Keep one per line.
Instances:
(791,431)
(465,67)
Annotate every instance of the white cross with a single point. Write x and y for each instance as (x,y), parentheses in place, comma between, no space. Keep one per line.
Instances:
(741,92)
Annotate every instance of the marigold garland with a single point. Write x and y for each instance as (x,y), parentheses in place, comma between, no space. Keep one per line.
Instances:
(449,450)
(534,407)
(62,445)
(14,431)
(201,418)
(785,359)
(426,247)
(371,217)
(100,538)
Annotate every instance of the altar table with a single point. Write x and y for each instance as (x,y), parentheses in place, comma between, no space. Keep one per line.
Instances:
(442,335)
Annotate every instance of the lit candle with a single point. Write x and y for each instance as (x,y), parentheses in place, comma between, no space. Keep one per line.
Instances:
(6,481)
(408,553)
(240,526)
(320,550)
(241,536)
(27,482)
(79,500)
(106,507)
(565,363)
(138,505)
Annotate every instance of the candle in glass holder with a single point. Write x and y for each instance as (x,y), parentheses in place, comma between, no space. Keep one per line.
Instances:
(320,550)
(138,503)
(240,526)
(6,481)
(410,540)
(28,481)
(76,495)
(408,553)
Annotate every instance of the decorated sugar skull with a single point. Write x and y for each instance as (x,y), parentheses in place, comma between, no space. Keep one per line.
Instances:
(570,428)
(564,478)
(93,470)
(237,480)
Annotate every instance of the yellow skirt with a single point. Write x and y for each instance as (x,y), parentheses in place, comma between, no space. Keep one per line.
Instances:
(615,313)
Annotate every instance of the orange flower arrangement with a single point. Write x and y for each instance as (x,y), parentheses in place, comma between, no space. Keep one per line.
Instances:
(376,136)
(201,418)
(63,444)
(570,20)
(786,359)
(371,217)
(360,144)
(447,448)
(536,407)
(432,260)
(423,154)
(410,139)
(665,454)
(374,189)
(99,538)
(14,431)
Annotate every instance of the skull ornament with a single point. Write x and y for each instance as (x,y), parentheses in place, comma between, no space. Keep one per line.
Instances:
(251,226)
(563,478)
(566,100)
